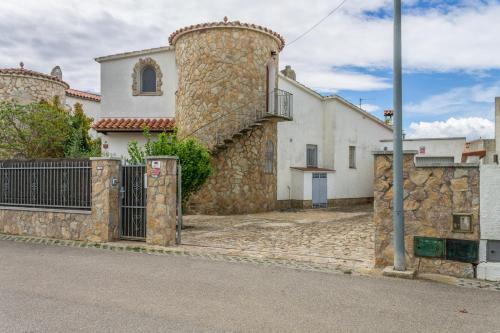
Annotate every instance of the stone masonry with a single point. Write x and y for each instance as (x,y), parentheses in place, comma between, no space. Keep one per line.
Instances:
(222,79)
(18,86)
(223,88)
(105,196)
(161,206)
(239,183)
(431,196)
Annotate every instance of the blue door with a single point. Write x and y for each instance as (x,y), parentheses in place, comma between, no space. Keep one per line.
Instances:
(319,190)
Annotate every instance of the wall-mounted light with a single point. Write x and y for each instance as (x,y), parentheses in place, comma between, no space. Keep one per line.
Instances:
(274,54)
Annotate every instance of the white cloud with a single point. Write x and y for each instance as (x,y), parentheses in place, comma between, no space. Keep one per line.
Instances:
(71,33)
(477,99)
(471,127)
(330,81)
(370,107)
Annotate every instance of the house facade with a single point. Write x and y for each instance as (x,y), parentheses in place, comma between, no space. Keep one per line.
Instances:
(433,151)
(275,143)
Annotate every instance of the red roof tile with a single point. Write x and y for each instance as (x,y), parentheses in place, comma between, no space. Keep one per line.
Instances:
(27,72)
(134,124)
(83,95)
(225,24)
(479,153)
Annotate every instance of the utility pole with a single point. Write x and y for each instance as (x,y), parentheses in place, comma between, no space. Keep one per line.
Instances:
(397,166)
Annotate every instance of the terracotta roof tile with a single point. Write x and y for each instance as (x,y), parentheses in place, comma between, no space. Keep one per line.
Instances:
(479,153)
(83,95)
(134,124)
(224,24)
(27,72)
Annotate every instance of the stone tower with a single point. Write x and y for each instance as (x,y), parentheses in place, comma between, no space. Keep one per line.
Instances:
(222,76)
(25,86)
(227,72)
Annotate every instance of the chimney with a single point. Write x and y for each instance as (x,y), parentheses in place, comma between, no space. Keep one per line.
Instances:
(388,117)
(289,72)
(57,72)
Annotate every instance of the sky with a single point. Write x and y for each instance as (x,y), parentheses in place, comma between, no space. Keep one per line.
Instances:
(451,48)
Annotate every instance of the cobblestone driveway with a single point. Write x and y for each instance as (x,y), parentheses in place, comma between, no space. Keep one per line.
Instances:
(340,237)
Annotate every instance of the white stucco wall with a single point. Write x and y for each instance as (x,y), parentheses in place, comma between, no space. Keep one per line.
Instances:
(333,126)
(434,147)
(116,88)
(293,136)
(118,142)
(489,182)
(90,108)
(352,128)
(490,205)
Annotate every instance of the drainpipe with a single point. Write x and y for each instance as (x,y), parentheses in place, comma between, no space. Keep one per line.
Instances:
(289,197)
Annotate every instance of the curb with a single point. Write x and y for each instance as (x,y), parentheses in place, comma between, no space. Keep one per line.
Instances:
(285,263)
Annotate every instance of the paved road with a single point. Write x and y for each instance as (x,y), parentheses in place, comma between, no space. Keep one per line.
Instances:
(61,289)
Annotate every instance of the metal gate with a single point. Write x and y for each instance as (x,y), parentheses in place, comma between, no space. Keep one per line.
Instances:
(133,202)
(319,190)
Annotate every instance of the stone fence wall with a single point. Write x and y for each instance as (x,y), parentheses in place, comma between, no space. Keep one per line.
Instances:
(431,196)
(102,222)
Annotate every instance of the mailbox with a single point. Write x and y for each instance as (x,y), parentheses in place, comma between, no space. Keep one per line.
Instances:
(429,247)
(462,250)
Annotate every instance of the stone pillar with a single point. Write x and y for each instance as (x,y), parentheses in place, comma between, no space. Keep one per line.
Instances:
(161,207)
(105,196)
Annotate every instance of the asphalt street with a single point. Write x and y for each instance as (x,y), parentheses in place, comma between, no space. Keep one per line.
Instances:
(62,289)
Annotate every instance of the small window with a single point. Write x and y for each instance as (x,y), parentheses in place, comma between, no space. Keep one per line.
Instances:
(269,164)
(495,158)
(312,156)
(148,80)
(352,157)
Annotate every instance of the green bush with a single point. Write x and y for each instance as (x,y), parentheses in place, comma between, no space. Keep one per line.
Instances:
(44,130)
(193,157)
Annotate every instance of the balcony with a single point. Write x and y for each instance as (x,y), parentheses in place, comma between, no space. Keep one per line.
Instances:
(280,104)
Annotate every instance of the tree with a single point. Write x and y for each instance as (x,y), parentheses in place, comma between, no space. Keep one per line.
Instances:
(193,157)
(80,144)
(44,130)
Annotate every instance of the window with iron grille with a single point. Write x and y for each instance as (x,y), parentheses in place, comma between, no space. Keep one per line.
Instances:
(269,164)
(312,156)
(352,157)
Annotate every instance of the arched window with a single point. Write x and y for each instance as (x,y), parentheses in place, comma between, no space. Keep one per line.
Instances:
(148,80)
(269,163)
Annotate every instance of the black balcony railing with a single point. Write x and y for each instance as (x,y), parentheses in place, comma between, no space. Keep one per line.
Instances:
(281,104)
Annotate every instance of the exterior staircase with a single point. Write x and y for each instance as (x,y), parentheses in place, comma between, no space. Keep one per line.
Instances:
(280,109)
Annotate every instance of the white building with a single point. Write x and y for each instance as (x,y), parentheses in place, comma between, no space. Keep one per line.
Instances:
(432,150)
(323,155)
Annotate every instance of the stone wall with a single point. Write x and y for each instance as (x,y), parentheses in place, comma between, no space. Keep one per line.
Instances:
(25,89)
(98,225)
(239,183)
(431,196)
(222,80)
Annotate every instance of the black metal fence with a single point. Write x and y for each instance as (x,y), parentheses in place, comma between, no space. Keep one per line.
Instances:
(46,184)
